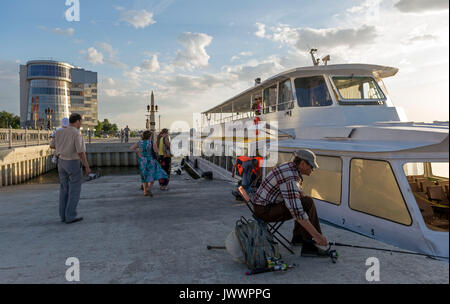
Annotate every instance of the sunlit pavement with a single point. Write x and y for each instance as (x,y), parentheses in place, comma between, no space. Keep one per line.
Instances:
(128,238)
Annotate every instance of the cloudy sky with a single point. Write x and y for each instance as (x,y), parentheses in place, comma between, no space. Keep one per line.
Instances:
(195,54)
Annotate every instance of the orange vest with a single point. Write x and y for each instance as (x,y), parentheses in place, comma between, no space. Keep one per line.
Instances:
(243,159)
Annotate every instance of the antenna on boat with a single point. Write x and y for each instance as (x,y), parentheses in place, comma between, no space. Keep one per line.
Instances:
(315,61)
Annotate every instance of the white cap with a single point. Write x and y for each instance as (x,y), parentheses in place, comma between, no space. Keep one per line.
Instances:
(65,122)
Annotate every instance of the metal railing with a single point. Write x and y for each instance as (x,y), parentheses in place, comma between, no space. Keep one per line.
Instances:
(12,138)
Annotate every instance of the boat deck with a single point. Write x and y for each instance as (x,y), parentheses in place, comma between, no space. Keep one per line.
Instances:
(128,238)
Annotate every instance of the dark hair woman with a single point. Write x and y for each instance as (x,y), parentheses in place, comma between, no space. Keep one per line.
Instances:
(164,157)
(149,168)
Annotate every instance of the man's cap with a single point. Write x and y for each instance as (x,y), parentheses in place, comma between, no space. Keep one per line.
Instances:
(307,155)
(65,122)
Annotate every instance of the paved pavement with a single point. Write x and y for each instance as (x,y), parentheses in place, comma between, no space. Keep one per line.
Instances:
(129,238)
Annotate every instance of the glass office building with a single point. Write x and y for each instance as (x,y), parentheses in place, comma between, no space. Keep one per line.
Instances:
(48,85)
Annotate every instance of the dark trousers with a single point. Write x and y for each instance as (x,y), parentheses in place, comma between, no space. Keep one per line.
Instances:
(70,178)
(279,213)
(166,164)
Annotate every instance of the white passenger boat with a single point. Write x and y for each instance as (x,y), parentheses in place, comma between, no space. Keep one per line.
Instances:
(380,175)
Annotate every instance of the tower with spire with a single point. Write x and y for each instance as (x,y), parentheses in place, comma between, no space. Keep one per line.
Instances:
(152,113)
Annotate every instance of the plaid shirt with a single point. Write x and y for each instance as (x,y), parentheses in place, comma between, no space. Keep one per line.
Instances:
(283,184)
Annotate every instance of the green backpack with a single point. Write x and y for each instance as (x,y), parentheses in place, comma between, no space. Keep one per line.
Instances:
(256,242)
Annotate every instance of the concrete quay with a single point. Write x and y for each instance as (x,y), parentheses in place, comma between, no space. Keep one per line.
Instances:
(111,155)
(128,238)
(18,165)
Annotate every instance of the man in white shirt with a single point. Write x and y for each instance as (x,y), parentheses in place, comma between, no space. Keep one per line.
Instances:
(71,153)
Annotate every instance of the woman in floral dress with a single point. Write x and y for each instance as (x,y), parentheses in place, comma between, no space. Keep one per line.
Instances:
(149,167)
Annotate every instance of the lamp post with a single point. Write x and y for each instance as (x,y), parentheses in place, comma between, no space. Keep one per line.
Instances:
(49,114)
(151,110)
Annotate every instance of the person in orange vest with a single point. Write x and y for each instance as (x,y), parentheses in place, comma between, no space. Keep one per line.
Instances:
(249,169)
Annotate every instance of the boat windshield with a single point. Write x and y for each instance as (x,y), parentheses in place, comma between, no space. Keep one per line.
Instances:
(358,88)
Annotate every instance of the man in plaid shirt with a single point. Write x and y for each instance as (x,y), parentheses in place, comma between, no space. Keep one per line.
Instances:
(280,197)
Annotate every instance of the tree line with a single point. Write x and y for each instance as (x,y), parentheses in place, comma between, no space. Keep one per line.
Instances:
(105,127)
(9,119)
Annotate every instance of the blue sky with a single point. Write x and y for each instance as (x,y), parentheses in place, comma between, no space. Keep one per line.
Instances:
(197,53)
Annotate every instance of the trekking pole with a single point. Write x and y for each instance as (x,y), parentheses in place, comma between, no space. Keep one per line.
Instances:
(386,250)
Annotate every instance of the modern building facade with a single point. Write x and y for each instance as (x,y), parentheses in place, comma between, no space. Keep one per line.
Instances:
(83,96)
(47,89)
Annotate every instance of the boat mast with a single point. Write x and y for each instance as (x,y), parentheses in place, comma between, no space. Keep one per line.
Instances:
(315,61)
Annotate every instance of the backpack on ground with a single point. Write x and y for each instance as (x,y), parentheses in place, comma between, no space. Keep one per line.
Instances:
(256,242)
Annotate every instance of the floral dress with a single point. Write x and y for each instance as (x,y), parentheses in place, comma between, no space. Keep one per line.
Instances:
(149,168)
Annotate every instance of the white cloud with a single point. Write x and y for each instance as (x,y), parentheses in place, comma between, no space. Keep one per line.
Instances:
(59,31)
(247,72)
(134,73)
(241,54)
(234,58)
(193,54)
(261,32)
(422,38)
(107,48)
(138,19)
(93,55)
(417,6)
(151,65)
(304,39)
(113,58)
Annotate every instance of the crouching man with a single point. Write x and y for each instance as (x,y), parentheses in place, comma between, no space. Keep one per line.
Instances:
(280,197)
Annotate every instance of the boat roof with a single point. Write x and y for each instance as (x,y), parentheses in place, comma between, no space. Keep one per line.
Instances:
(379,137)
(377,71)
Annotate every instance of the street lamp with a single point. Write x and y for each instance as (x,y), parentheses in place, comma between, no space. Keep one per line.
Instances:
(49,114)
(151,110)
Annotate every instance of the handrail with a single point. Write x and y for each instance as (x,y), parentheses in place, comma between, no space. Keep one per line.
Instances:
(23,137)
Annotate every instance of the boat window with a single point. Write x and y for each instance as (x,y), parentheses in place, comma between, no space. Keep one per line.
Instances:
(326,182)
(285,96)
(358,88)
(270,99)
(429,184)
(312,92)
(440,170)
(374,191)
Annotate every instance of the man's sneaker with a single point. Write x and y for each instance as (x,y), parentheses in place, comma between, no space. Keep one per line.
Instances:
(310,250)
(78,219)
